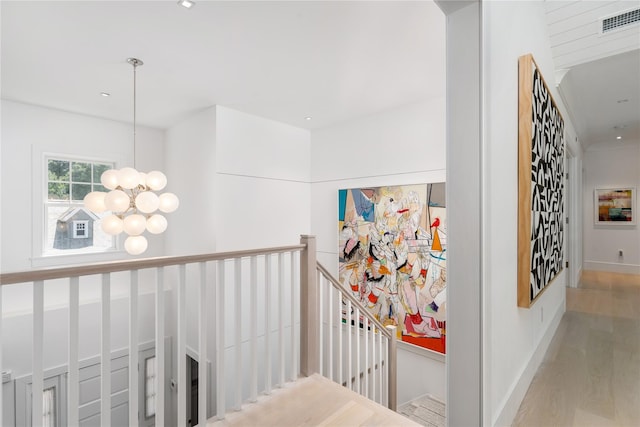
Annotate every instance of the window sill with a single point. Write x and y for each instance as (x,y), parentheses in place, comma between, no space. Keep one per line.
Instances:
(77,258)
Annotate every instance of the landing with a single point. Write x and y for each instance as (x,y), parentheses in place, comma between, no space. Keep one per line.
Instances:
(313,401)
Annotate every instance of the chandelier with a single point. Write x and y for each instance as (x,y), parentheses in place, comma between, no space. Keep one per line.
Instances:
(132,201)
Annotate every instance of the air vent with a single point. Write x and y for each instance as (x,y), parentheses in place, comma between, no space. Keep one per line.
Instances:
(620,21)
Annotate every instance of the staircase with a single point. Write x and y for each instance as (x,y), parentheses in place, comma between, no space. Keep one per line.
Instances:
(284,343)
(313,401)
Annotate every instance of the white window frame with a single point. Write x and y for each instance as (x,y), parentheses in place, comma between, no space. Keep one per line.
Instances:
(54,379)
(42,252)
(150,395)
(49,412)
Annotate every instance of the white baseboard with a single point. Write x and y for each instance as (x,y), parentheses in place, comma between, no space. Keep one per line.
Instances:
(519,390)
(613,267)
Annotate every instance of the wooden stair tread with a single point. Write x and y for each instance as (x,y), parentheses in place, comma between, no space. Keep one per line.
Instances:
(313,401)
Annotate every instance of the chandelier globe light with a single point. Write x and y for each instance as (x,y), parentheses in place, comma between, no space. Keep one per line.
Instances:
(132,200)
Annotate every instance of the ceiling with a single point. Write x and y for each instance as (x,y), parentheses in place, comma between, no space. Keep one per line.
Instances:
(329,60)
(332,61)
(599,75)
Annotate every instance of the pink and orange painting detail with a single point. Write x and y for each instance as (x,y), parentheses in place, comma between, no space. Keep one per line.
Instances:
(392,255)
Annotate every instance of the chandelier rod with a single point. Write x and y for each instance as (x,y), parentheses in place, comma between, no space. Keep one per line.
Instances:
(135,62)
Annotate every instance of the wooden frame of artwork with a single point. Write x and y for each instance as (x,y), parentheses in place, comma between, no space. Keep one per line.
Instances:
(541,183)
(614,206)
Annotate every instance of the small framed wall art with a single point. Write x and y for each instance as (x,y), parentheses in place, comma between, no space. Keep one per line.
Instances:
(615,206)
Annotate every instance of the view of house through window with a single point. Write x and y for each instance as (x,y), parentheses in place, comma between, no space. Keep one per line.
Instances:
(69,227)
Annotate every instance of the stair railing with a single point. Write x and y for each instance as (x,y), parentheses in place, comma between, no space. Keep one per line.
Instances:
(241,276)
(365,360)
(340,338)
(261,317)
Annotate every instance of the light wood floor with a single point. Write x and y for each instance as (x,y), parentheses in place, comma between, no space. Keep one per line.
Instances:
(426,411)
(591,372)
(313,401)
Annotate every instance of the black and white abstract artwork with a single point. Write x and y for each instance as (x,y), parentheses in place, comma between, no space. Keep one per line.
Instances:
(547,187)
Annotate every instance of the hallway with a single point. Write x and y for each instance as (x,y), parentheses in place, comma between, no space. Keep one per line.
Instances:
(591,373)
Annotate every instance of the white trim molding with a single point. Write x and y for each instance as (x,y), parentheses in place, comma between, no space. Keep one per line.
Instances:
(613,267)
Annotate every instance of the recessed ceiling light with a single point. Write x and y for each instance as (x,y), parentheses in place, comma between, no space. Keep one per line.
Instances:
(618,137)
(105,94)
(621,101)
(308,118)
(187,3)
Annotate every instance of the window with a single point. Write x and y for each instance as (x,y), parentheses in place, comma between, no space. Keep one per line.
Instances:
(49,407)
(150,387)
(80,229)
(68,227)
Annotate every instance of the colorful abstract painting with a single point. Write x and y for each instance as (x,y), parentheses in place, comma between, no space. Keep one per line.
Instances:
(392,253)
(615,206)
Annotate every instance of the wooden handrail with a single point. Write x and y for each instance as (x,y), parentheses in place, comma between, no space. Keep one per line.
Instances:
(354,301)
(126,265)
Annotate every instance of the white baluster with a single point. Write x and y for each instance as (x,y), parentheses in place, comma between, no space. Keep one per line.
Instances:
(267,322)
(281,318)
(105,358)
(386,373)
(253,344)
(160,369)
(220,341)
(349,347)
(1,386)
(133,350)
(357,336)
(365,375)
(73,383)
(320,281)
(237,283)
(37,381)
(202,357)
(294,304)
(381,345)
(330,326)
(374,373)
(392,371)
(182,346)
(340,337)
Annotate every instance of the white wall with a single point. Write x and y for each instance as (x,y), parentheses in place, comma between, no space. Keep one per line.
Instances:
(607,166)
(262,188)
(405,145)
(465,389)
(28,133)
(515,339)
(190,164)
(573,199)
(243,183)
